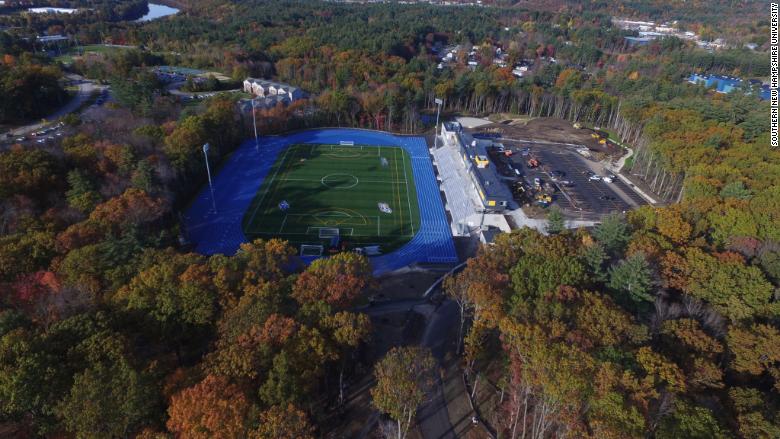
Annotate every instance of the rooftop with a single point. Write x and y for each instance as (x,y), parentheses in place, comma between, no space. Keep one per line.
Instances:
(486,177)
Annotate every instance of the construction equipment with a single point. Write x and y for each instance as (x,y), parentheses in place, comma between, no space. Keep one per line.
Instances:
(543,199)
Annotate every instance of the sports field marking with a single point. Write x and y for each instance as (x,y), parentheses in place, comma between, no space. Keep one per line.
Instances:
(260,203)
(335,178)
(343,231)
(284,221)
(344,151)
(336,213)
(408,201)
(362,181)
(272,233)
(284,165)
(324,180)
(397,190)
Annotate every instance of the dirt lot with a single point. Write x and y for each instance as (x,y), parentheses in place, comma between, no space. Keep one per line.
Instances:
(547,129)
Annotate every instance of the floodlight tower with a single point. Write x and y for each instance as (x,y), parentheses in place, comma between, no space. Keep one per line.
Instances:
(439,103)
(254,123)
(208,172)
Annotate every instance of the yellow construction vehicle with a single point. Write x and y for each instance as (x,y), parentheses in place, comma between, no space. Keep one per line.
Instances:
(543,199)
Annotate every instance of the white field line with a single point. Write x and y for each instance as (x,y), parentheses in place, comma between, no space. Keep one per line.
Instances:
(408,199)
(361,181)
(284,221)
(270,183)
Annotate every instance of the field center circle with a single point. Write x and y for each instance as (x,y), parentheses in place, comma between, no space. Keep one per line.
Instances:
(339,181)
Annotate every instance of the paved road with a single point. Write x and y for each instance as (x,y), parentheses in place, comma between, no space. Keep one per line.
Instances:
(433,417)
(390,307)
(439,336)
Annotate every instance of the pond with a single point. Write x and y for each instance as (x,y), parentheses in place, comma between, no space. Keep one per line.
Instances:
(158,11)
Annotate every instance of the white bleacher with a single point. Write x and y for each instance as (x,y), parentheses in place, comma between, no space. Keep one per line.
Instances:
(461,198)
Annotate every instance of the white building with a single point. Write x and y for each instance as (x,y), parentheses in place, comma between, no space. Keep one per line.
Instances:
(49,10)
(263,88)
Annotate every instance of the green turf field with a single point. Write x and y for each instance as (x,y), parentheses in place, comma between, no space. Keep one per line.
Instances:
(337,187)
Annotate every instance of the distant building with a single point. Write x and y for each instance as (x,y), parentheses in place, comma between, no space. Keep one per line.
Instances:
(727,84)
(51,38)
(49,10)
(264,88)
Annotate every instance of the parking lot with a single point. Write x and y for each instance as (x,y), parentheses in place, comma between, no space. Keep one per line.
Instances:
(579,191)
(43,136)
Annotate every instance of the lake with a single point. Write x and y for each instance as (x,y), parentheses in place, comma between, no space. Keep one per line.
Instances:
(158,11)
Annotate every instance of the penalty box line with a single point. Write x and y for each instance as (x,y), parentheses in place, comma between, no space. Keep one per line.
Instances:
(315,229)
(310,230)
(349,145)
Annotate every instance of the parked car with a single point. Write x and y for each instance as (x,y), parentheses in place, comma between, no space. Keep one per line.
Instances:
(594,177)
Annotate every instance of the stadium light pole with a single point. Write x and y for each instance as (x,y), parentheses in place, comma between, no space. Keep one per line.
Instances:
(254,123)
(208,172)
(439,103)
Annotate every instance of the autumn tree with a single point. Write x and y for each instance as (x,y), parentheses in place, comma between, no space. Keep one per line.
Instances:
(110,397)
(212,408)
(689,421)
(337,280)
(31,172)
(348,331)
(283,422)
(403,377)
(458,291)
(755,350)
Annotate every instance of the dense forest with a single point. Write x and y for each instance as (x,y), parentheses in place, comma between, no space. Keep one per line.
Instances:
(663,323)
(643,326)
(29,89)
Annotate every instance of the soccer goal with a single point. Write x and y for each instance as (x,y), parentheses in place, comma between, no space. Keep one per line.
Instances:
(328,232)
(311,250)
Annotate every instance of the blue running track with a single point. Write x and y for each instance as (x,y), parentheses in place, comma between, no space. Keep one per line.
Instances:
(237,182)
